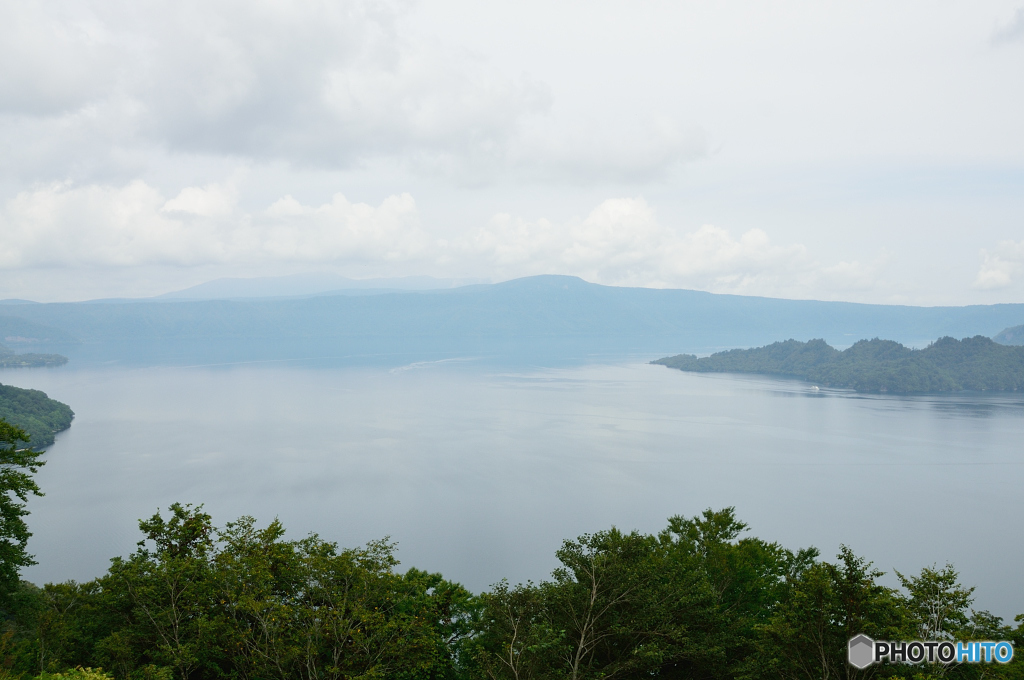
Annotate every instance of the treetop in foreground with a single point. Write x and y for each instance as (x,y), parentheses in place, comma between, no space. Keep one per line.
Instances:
(701,600)
(946,365)
(18,464)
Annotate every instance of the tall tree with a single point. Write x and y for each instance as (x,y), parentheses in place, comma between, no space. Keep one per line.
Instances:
(822,607)
(167,593)
(937,602)
(18,463)
(517,639)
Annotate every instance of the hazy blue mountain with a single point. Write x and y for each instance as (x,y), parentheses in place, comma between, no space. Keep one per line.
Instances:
(1010,336)
(538,318)
(307,284)
(15,330)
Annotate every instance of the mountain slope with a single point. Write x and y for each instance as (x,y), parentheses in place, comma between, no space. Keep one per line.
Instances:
(556,316)
(1010,336)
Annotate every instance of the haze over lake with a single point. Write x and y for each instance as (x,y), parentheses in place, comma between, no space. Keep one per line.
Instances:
(480,471)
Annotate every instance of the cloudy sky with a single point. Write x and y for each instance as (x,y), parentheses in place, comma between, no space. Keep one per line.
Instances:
(866,151)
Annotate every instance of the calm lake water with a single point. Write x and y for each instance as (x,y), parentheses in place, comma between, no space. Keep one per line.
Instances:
(479,473)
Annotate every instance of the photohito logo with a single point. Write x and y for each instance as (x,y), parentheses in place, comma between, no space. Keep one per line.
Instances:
(863,651)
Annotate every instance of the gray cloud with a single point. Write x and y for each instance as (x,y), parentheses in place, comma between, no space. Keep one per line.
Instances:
(314,83)
(56,58)
(120,120)
(1012,31)
(321,84)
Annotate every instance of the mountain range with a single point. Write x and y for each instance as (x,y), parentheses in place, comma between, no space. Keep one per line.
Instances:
(540,318)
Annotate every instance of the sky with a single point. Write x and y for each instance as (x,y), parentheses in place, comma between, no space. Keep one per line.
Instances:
(869,151)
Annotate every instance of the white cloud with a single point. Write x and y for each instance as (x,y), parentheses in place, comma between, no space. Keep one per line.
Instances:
(135,225)
(854,275)
(210,201)
(342,231)
(621,242)
(742,114)
(1000,267)
(121,226)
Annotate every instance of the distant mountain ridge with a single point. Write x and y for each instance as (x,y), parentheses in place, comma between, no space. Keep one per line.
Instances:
(18,330)
(947,365)
(555,317)
(299,285)
(1010,336)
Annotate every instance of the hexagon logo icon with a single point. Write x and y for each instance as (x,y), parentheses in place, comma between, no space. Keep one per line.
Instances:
(861,651)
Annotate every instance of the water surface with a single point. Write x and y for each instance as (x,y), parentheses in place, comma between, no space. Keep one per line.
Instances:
(480,472)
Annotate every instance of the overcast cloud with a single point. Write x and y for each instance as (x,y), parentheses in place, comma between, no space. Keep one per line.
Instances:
(864,152)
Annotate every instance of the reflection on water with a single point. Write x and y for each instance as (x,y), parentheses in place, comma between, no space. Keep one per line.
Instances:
(979,406)
(955,405)
(480,472)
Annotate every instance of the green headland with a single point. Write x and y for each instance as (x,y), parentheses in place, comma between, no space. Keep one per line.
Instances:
(946,365)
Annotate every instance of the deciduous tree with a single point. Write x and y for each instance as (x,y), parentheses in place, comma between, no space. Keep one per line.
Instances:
(18,463)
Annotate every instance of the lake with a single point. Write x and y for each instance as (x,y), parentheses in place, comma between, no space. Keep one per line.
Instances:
(479,471)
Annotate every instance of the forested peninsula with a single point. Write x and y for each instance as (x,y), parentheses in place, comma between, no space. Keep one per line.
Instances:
(8,359)
(946,365)
(34,412)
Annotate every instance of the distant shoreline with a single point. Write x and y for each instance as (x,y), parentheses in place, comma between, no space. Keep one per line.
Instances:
(880,366)
(9,359)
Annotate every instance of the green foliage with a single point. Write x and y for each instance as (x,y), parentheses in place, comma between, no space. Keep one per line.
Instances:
(195,601)
(700,600)
(691,601)
(77,673)
(937,604)
(17,466)
(783,358)
(35,413)
(822,606)
(876,365)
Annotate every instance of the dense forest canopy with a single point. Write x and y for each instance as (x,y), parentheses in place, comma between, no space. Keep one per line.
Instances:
(946,365)
(701,599)
(34,412)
